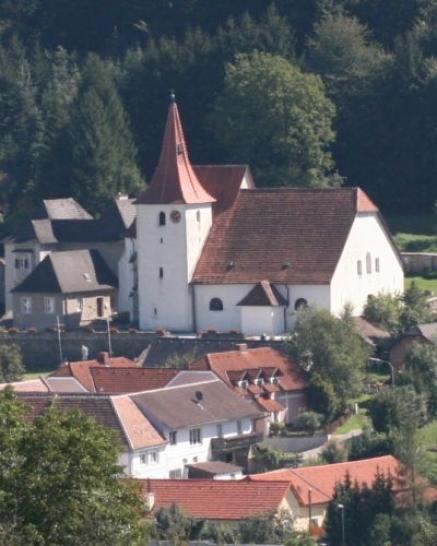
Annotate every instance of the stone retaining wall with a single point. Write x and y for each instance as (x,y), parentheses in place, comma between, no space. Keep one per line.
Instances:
(419,262)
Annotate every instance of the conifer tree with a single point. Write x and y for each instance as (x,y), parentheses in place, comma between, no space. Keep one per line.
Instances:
(101,154)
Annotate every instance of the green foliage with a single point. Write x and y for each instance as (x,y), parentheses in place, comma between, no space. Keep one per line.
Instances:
(363,507)
(11,363)
(421,372)
(333,354)
(369,444)
(272,459)
(268,529)
(173,525)
(309,421)
(58,481)
(334,452)
(276,118)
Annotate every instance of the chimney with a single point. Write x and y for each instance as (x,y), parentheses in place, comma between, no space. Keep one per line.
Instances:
(242,347)
(104,359)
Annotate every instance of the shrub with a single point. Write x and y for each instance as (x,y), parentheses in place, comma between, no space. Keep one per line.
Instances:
(277,428)
(334,452)
(309,421)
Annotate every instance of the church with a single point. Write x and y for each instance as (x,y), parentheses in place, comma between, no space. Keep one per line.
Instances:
(210,251)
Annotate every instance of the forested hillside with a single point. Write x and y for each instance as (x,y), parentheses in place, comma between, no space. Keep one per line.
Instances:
(309,92)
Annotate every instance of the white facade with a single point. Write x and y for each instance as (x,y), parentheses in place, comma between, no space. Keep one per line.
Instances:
(368,265)
(268,320)
(170,239)
(170,459)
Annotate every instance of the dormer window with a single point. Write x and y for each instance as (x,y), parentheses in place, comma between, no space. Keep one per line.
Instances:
(162,219)
(259,381)
(243,384)
(274,380)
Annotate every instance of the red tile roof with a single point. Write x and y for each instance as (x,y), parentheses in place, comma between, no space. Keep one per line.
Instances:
(290,376)
(263,294)
(269,405)
(125,380)
(81,369)
(174,180)
(217,499)
(321,480)
(223,182)
(284,235)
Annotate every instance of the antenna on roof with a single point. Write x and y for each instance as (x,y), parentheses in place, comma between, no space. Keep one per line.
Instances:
(172,96)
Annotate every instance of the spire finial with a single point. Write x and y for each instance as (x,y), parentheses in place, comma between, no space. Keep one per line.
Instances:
(172,95)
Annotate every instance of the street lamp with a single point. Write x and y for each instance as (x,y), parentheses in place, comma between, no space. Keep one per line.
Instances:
(392,370)
(341,507)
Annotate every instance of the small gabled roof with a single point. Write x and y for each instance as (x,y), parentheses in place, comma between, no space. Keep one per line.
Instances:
(174,179)
(69,272)
(194,404)
(428,331)
(62,209)
(217,499)
(263,294)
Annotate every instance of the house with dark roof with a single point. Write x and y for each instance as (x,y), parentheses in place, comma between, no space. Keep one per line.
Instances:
(422,334)
(211,251)
(265,375)
(75,285)
(60,225)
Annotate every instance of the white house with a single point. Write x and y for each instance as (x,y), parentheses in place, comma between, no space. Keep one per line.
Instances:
(165,431)
(212,251)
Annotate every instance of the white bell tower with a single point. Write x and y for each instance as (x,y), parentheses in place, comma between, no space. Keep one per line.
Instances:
(174,216)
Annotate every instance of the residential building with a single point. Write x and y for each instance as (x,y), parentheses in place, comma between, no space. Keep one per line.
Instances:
(264,374)
(163,432)
(313,487)
(422,334)
(75,286)
(212,251)
(62,224)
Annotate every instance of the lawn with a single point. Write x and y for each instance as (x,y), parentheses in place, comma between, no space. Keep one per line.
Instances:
(414,232)
(428,462)
(37,373)
(354,422)
(428,283)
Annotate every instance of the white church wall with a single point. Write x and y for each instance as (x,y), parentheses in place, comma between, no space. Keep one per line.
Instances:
(381,270)
(222,321)
(126,278)
(262,320)
(316,295)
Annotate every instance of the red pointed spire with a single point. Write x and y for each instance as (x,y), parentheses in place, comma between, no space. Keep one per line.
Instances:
(174,180)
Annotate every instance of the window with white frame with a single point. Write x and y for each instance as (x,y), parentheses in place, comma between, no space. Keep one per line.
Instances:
(26,305)
(152,457)
(173,437)
(175,474)
(220,430)
(22,264)
(239,427)
(49,305)
(143,458)
(359,267)
(195,436)
(377,265)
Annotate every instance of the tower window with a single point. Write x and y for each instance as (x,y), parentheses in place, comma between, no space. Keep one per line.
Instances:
(377,265)
(161,272)
(359,267)
(216,304)
(198,215)
(162,218)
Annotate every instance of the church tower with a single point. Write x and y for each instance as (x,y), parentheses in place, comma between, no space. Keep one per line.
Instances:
(174,216)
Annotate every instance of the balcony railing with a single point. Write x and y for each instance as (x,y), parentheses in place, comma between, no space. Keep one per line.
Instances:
(236,442)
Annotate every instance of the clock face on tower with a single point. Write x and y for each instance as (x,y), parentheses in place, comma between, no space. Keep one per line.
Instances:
(175,216)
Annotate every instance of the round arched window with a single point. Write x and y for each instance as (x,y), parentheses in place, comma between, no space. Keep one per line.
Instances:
(162,218)
(300,304)
(216,304)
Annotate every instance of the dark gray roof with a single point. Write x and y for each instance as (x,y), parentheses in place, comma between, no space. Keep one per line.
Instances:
(63,209)
(69,272)
(65,221)
(176,407)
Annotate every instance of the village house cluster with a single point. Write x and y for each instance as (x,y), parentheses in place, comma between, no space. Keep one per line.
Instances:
(203,249)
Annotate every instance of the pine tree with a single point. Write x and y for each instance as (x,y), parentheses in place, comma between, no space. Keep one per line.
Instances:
(101,154)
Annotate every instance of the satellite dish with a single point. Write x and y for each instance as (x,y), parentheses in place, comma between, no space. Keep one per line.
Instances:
(199,396)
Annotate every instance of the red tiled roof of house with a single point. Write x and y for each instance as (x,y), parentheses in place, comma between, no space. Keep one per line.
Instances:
(290,378)
(269,405)
(81,369)
(284,235)
(138,429)
(174,179)
(364,203)
(264,294)
(124,380)
(217,499)
(321,480)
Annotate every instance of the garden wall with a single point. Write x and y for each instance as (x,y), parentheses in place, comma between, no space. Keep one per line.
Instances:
(419,262)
